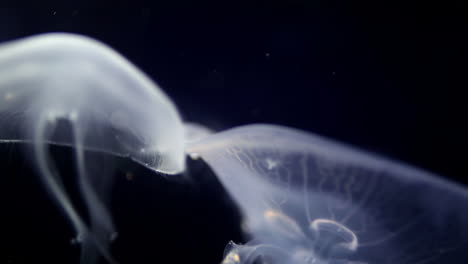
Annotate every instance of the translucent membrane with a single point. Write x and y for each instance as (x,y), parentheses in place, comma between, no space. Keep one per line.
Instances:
(307,199)
(71,90)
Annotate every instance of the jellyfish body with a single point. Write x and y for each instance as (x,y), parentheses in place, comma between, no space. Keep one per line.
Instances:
(305,199)
(71,90)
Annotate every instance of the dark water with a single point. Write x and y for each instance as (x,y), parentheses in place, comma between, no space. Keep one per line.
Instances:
(385,76)
(158,217)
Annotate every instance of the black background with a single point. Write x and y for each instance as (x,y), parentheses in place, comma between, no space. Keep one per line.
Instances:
(385,76)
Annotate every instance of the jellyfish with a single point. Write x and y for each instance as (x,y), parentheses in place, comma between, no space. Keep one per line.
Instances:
(307,199)
(303,198)
(69,90)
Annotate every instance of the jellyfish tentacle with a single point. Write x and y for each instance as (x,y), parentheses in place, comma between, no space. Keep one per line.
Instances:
(101,230)
(49,174)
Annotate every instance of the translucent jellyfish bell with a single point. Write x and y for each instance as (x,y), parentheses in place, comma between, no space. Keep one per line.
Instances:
(304,199)
(114,107)
(71,90)
(307,199)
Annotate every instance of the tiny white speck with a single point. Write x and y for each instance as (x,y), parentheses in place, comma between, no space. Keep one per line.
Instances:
(271,163)
(194,155)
